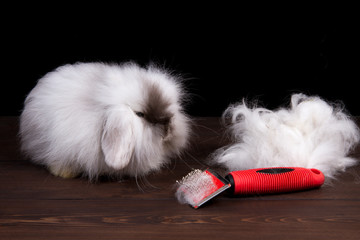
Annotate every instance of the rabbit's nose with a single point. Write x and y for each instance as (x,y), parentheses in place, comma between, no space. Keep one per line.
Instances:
(167,132)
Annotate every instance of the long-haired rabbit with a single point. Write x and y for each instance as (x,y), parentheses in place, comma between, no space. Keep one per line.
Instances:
(104,119)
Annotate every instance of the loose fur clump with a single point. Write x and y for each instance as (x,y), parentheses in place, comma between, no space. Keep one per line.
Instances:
(104,119)
(310,133)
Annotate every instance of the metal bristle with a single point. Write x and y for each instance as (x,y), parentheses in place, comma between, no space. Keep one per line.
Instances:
(194,187)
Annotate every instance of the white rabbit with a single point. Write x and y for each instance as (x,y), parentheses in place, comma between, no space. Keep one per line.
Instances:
(104,119)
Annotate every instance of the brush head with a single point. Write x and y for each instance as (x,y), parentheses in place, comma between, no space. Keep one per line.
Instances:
(199,186)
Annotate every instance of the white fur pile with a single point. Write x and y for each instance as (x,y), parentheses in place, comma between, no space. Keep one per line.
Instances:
(310,133)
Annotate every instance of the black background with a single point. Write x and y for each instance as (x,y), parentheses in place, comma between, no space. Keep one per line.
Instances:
(226,53)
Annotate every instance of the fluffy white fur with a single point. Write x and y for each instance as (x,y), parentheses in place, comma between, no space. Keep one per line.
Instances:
(85,119)
(310,133)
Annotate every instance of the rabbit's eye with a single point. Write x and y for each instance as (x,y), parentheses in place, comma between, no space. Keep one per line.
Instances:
(140,114)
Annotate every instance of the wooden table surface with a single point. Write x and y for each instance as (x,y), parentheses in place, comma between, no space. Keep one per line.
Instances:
(37,205)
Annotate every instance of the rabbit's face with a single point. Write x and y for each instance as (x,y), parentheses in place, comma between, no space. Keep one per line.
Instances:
(156,113)
(156,127)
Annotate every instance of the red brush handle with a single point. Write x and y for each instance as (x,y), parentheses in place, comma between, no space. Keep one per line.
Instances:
(275,180)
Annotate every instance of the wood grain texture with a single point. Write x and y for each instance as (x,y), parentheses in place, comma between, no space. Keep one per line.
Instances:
(37,205)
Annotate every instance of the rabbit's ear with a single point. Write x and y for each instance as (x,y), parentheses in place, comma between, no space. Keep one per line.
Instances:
(118,139)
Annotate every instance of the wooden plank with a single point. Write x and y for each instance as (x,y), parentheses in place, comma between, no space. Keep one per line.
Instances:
(141,219)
